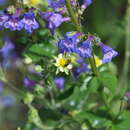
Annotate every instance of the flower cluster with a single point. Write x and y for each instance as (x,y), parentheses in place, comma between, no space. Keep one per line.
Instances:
(59,5)
(17,21)
(75,42)
(55,17)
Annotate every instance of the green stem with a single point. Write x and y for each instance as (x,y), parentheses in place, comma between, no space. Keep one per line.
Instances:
(124,77)
(78,26)
(73,16)
(93,65)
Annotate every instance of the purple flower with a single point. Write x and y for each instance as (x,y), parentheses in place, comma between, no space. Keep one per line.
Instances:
(29,22)
(53,20)
(3,19)
(66,46)
(69,43)
(59,5)
(84,49)
(108,53)
(56,5)
(86,3)
(73,36)
(59,82)
(29,83)
(14,23)
(82,68)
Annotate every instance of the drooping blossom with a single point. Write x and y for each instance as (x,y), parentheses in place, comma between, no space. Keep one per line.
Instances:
(53,20)
(108,53)
(14,22)
(84,49)
(69,43)
(29,22)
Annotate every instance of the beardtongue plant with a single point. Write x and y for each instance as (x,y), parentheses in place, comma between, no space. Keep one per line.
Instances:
(65,84)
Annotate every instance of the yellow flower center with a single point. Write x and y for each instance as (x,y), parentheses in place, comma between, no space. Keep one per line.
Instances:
(62,62)
(34,2)
(98,61)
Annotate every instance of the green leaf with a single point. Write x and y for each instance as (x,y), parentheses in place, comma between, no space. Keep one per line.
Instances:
(93,119)
(94,84)
(109,81)
(123,123)
(38,51)
(28,126)
(66,94)
(48,114)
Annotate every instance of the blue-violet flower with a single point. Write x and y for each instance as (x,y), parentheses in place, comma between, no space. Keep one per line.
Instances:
(108,53)
(29,22)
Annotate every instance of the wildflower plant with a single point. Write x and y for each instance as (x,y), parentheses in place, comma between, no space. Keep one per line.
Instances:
(64,78)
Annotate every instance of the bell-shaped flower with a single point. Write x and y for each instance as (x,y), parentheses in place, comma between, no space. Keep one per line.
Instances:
(84,49)
(14,23)
(108,53)
(29,22)
(53,20)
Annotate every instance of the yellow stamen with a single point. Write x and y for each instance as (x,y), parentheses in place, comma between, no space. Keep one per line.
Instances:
(62,62)
(34,2)
(97,61)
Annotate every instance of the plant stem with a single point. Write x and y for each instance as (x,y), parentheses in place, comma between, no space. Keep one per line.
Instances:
(74,18)
(124,77)
(93,65)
